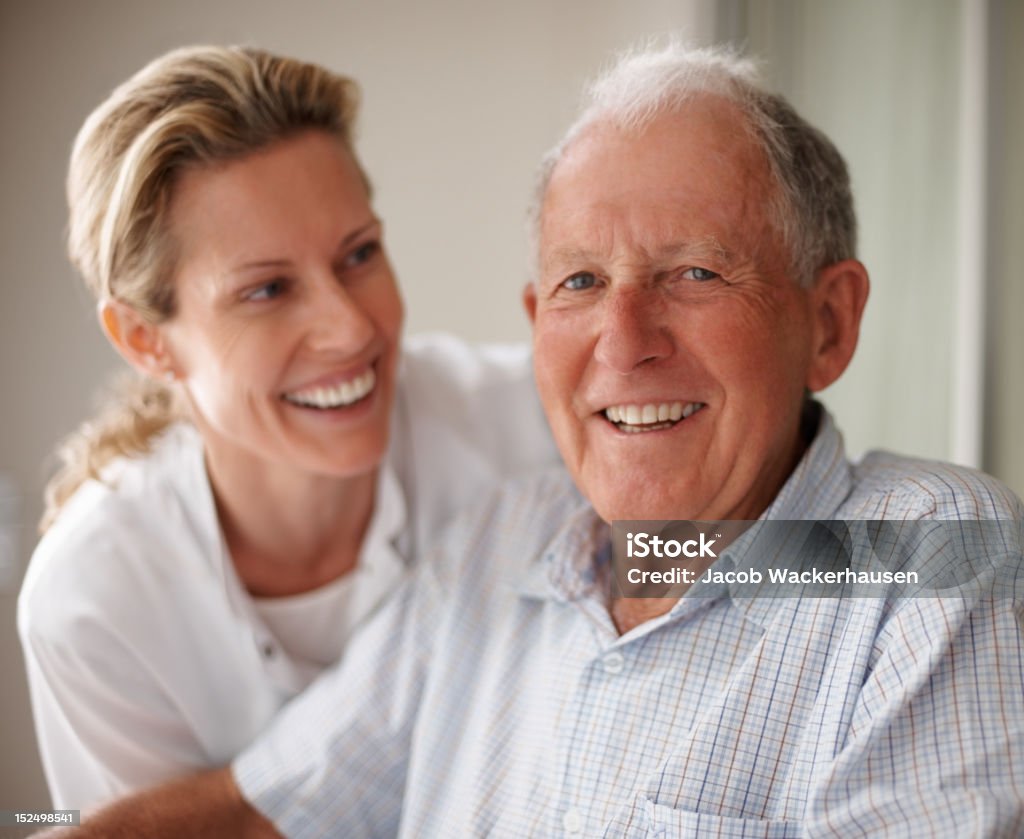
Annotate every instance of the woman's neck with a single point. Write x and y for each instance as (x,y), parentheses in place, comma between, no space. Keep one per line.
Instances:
(287,530)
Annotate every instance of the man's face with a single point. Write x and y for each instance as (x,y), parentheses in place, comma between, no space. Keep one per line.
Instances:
(672,348)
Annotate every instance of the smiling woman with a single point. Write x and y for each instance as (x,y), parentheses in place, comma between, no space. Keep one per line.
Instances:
(218,532)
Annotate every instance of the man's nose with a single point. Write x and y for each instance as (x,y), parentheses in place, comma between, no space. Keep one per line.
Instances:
(338,320)
(632,330)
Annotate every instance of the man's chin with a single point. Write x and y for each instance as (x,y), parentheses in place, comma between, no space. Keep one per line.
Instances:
(644,504)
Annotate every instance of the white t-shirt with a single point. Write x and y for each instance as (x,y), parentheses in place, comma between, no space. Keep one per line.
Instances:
(146,657)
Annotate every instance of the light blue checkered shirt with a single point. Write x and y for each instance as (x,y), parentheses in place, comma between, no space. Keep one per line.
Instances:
(494,697)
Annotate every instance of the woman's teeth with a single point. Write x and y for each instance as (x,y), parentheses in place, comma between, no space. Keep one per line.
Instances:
(650,417)
(336,396)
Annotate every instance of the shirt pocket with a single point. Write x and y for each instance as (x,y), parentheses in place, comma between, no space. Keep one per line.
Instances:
(668,823)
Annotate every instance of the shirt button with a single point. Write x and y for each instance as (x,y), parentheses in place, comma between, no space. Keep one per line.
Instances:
(572,821)
(613,663)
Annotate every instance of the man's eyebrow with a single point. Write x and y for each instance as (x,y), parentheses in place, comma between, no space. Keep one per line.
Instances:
(707,246)
(703,247)
(569,255)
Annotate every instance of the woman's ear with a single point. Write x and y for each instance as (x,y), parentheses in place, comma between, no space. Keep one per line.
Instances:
(837,304)
(137,340)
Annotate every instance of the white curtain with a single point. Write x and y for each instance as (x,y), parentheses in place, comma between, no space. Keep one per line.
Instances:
(895,85)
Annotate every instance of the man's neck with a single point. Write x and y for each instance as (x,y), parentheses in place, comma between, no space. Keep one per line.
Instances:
(629,612)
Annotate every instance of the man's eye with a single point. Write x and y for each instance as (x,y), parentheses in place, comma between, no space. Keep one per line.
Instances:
(580,281)
(267,291)
(700,274)
(364,253)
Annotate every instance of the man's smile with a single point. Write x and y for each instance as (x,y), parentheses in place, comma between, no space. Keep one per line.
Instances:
(651,416)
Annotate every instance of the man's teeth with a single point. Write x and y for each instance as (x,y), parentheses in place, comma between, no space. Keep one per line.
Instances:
(337,396)
(652,416)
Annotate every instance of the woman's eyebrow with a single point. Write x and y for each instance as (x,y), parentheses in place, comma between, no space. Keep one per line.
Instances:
(349,238)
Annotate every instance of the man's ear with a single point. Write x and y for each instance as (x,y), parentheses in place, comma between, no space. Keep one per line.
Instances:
(530,300)
(138,341)
(837,304)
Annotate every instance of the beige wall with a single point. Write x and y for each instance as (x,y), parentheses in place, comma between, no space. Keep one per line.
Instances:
(461,99)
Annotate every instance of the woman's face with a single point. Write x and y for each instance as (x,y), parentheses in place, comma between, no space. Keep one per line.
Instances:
(287,326)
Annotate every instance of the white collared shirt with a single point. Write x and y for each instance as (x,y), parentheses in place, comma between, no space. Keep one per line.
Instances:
(511,706)
(146,657)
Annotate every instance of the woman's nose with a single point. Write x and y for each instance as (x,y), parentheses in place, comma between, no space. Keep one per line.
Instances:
(337,320)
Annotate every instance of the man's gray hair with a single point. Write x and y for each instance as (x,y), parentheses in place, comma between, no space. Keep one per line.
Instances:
(812,205)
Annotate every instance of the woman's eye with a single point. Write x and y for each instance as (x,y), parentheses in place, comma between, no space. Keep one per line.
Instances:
(362,254)
(700,274)
(267,291)
(580,281)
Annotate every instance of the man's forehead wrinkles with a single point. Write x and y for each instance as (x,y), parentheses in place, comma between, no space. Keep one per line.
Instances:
(705,246)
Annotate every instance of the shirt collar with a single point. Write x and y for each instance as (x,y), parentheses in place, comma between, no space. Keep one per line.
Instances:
(566,568)
(817,488)
(388,524)
(822,479)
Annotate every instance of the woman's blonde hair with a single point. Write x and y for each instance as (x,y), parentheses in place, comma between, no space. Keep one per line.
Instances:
(189,108)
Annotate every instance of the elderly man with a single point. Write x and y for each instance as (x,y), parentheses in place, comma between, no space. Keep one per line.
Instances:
(696,280)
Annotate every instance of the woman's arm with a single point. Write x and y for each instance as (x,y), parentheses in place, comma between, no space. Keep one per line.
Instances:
(104,724)
(333,762)
(132,651)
